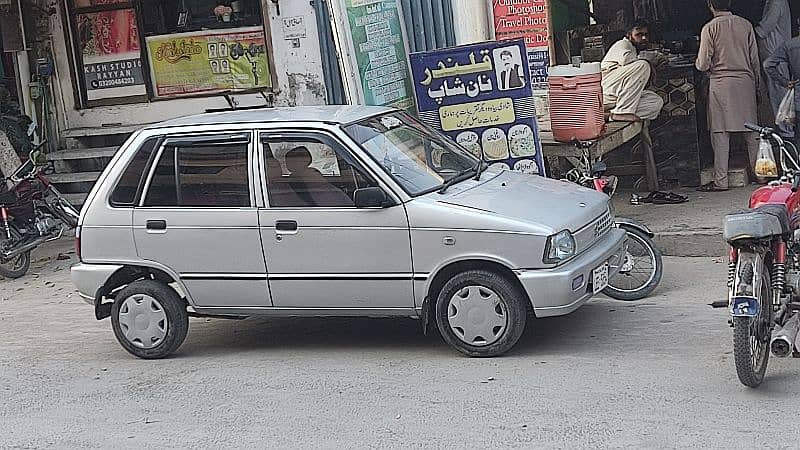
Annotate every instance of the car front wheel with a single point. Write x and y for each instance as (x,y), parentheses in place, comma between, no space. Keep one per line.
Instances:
(480,313)
(149,319)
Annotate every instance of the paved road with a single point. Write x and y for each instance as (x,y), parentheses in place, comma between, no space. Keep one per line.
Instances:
(658,373)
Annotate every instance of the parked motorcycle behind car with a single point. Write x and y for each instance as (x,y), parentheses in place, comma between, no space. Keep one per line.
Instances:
(32,211)
(642,267)
(764,270)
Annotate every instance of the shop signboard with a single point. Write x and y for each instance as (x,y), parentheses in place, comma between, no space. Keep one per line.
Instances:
(207,62)
(480,95)
(372,35)
(527,19)
(111,56)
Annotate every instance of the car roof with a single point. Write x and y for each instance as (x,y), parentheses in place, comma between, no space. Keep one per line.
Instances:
(343,114)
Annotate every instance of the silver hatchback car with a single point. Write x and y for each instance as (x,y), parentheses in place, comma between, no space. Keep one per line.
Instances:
(332,211)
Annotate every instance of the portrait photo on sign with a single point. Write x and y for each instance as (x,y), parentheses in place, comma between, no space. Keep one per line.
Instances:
(508,68)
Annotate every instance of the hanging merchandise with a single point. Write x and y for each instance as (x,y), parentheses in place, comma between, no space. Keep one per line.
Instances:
(786,115)
(765,161)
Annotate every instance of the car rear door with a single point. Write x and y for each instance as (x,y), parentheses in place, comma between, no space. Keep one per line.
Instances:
(197,216)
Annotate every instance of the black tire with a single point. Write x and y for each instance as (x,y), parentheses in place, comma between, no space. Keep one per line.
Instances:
(751,367)
(19,266)
(514,305)
(628,295)
(174,308)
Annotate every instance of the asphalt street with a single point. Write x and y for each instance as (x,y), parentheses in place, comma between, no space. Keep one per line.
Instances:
(652,374)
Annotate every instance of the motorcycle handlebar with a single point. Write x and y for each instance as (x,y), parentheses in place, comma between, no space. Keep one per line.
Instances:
(756,128)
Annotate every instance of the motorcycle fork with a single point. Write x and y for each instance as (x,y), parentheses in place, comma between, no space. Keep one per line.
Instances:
(6,222)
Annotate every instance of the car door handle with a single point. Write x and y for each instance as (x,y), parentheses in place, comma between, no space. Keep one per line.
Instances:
(286,227)
(156,225)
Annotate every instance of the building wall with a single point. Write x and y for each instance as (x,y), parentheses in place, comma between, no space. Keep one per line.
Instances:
(298,71)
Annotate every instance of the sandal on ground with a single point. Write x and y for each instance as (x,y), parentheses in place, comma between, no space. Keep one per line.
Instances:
(668,198)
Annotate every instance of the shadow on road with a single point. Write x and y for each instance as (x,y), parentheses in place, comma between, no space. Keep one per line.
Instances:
(568,334)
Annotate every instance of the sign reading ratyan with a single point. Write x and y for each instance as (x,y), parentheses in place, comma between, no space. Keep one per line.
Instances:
(480,95)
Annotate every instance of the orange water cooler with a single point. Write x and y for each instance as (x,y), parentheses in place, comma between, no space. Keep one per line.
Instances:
(576,102)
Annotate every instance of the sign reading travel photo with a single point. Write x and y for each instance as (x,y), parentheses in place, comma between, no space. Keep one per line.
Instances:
(480,95)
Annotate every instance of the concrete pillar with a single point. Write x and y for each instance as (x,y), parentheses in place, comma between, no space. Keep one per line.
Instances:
(472,21)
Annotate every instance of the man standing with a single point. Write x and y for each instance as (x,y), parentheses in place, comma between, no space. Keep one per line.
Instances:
(774,29)
(625,76)
(787,59)
(729,53)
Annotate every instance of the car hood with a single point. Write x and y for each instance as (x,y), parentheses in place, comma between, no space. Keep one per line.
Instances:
(545,202)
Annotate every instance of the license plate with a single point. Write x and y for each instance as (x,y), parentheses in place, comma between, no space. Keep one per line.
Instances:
(600,278)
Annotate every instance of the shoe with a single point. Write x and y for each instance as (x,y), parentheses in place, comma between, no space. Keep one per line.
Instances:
(710,187)
(668,198)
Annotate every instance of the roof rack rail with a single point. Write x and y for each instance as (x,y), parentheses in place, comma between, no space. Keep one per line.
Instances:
(233,105)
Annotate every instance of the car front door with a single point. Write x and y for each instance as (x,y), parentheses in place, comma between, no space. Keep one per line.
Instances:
(198,218)
(322,252)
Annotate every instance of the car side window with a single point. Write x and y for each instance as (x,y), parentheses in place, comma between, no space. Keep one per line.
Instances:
(199,174)
(132,179)
(307,171)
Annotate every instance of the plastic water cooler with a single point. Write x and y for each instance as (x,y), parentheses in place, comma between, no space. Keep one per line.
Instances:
(576,102)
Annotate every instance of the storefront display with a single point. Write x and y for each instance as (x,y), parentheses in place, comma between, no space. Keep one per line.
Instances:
(169,48)
(205,62)
(112,64)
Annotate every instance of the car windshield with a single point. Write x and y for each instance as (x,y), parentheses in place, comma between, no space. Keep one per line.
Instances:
(419,159)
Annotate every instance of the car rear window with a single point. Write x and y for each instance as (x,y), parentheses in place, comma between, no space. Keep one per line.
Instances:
(126,190)
(201,176)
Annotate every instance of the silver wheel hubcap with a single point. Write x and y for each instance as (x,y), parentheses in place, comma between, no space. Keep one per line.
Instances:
(477,316)
(143,321)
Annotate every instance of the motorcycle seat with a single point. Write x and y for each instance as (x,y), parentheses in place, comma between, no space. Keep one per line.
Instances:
(764,222)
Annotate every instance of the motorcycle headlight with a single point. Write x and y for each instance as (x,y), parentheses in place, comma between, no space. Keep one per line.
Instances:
(560,247)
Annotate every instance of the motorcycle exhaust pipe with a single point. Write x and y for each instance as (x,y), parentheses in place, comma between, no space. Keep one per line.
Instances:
(13,253)
(782,343)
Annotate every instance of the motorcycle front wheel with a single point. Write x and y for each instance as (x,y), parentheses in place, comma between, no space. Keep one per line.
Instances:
(751,335)
(641,269)
(18,266)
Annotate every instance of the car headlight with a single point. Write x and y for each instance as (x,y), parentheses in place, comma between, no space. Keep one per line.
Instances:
(560,247)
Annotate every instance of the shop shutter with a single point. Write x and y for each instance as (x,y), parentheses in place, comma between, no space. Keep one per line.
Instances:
(330,62)
(429,24)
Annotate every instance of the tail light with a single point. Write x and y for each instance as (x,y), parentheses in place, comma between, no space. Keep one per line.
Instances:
(78,243)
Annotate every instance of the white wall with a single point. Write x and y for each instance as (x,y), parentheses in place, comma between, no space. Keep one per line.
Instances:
(471,21)
(299,73)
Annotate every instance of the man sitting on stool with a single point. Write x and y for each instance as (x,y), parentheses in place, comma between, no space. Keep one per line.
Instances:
(625,76)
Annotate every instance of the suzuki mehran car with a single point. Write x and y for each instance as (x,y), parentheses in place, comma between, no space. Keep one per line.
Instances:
(332,211)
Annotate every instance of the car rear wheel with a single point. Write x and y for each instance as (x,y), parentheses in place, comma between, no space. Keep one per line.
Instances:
(149,319)
(481,313)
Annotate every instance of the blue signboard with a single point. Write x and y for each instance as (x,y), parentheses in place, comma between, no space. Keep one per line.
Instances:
(481,96)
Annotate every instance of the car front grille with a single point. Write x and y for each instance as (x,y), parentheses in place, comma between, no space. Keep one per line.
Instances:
(591,233)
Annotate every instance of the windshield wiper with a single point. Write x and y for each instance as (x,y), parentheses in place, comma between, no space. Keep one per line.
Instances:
(479,169)
(457,178)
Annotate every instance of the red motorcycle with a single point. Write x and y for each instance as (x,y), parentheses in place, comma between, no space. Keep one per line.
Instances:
(764,270)
(32,212)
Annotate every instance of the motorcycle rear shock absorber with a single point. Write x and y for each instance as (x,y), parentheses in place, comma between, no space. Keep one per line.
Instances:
(6,224)
(733,257)
(779,271)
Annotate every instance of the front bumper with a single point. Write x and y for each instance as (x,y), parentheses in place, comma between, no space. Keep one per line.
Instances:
(551,291)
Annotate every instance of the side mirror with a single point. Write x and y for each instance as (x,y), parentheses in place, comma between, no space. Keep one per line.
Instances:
(371,197)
